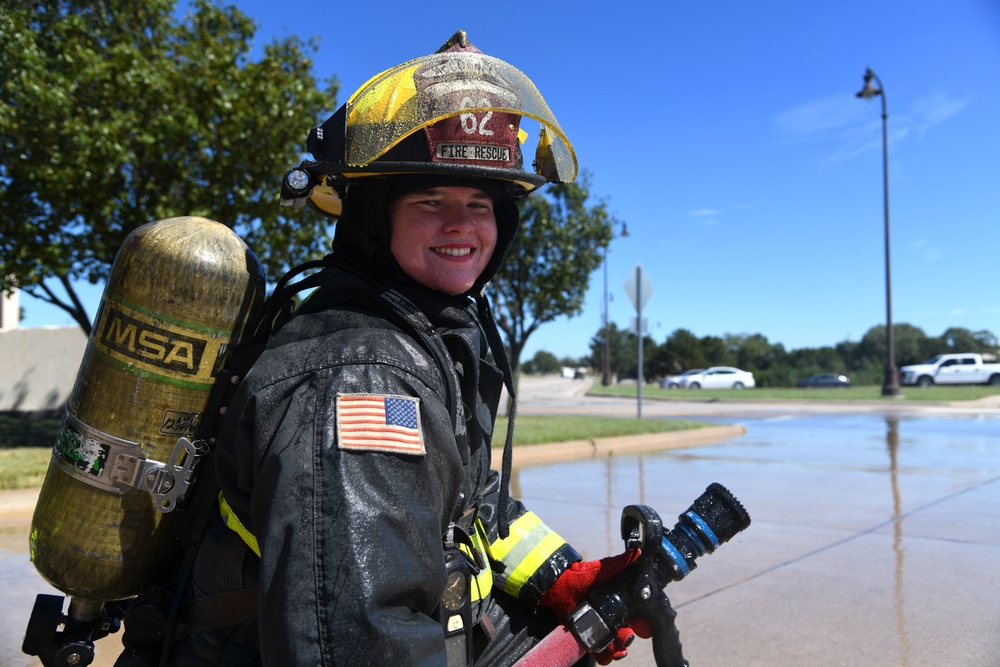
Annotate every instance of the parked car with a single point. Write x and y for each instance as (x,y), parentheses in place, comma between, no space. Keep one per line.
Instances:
(719,377)
(823,380)
(967,368)
(674,381)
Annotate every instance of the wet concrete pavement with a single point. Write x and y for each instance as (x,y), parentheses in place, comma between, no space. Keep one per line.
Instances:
(874,538)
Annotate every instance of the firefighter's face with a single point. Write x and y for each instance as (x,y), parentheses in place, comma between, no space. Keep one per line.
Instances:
(443,237)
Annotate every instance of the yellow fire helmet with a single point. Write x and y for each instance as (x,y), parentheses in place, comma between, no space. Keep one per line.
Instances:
(456,112)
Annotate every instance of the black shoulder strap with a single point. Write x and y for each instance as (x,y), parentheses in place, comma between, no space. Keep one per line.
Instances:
(400,309)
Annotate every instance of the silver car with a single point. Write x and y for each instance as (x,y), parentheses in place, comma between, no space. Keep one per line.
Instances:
(674,381)
(719,377)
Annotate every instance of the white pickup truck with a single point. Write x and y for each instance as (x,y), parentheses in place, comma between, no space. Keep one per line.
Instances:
(952,369)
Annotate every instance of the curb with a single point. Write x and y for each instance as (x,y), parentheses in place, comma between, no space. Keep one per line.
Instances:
(577,450)
(17,505)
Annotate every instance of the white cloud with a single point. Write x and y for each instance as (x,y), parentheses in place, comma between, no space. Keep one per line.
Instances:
(703,213)
(818,118)
(924,249)
(935,108)
(706,216)
(844,120)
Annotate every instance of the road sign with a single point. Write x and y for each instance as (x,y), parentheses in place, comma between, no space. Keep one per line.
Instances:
(638,287)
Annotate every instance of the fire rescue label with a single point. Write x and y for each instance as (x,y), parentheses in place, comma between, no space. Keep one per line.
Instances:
(473,152)
(171,351)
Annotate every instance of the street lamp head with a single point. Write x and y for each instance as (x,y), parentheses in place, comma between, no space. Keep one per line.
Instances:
(870,90)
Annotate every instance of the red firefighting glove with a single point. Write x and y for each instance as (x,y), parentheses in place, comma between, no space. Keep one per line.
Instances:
(572,586)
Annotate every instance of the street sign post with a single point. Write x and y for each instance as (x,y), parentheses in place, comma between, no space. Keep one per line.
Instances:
(639,289)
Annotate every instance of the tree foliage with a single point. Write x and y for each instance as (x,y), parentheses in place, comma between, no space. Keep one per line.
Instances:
(115,113)
(542,362)
(563,236)
(772,365)
(622,349)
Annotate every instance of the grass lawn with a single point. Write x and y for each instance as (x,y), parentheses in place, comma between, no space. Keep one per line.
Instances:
(26,444)
(544,429)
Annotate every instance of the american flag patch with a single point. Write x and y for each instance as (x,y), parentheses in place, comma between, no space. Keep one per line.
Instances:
(367,422)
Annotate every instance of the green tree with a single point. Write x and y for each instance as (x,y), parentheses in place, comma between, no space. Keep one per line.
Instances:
(910,344)
(618,348)
(114,113)
(625,360)
(570,362)
(755,353)
(714,352)
(681,351)
(812,360)
(562,240)
(542,362)
(957,339)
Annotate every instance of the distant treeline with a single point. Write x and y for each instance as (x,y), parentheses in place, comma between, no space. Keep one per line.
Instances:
(771,364)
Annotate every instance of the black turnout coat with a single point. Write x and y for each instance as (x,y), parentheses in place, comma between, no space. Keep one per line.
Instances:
(348,525)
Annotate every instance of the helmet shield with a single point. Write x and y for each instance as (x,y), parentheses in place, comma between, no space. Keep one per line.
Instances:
(456,112)
(470,104)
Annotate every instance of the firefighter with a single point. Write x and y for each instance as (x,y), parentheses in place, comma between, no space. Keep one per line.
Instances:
(359,519)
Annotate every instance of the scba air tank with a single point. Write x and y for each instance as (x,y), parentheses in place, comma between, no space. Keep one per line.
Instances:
(180,294)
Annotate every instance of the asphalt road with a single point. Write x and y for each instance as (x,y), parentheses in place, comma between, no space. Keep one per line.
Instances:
(552,394)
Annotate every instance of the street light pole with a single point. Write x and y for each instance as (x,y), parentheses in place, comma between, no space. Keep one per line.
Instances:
(890,386)
(606,351)
(606,347)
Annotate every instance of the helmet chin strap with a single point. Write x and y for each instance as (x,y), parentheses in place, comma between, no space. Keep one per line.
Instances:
(500,355)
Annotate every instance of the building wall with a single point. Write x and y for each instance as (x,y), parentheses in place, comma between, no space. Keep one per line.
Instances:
(38,368)
(10,310)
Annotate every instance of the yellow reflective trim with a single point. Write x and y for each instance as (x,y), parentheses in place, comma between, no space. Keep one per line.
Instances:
(482,583)
(522,526)
(530,563)
(528,546)
(234,524)
(383,101)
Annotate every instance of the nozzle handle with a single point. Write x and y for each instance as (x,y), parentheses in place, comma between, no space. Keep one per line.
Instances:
(666,639)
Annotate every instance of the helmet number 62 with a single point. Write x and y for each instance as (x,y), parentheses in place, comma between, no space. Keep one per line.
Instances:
(470,123)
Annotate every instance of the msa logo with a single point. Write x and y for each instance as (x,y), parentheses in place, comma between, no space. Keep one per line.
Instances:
(129,337)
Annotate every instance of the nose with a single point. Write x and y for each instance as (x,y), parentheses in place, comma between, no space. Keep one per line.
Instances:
(458,218)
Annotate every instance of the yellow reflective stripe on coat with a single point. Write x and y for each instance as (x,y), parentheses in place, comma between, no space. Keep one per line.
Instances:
(482,583)
(234,524)
(528,546)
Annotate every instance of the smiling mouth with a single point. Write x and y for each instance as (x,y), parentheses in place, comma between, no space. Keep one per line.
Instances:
(454,252)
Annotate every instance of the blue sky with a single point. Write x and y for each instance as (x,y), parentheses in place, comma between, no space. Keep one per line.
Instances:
(727,136)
